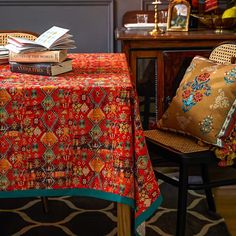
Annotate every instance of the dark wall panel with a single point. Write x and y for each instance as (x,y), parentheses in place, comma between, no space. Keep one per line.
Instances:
(91,22)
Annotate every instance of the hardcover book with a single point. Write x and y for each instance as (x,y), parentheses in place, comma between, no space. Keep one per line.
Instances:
(55,38)
(3,61)
(44,56)
(50,69)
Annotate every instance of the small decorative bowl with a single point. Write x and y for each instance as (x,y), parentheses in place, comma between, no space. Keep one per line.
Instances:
(216,22)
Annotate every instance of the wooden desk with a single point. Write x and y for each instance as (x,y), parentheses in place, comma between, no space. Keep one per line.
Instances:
(158,63)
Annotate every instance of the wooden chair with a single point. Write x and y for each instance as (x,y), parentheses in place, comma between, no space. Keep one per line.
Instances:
(168,148)
(4,35)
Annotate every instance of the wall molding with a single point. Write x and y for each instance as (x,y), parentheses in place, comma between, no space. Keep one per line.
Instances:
(55,3)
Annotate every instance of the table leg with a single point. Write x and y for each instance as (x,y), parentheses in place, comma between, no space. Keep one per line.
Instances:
(123,219)
(45,204)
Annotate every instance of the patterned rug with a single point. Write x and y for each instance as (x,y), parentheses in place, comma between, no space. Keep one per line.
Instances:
(80,216)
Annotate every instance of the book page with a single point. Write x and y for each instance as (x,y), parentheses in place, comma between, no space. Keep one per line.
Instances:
(3,52)
(2,48)
(17,41)
(50,36)
(13,48)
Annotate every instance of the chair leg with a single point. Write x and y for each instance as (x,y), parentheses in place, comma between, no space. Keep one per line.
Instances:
(208,191)
(182,200)
(45,204)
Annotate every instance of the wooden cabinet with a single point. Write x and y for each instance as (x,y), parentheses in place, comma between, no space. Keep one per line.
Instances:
(159,63)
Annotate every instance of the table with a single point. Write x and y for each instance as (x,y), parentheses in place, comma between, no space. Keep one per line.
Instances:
(158,62)
(77,134)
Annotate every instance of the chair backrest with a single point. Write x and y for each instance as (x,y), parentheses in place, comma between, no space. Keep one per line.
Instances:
(4,35)
(224,53)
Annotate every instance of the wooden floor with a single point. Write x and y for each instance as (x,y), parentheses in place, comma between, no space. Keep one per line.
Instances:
(225,198)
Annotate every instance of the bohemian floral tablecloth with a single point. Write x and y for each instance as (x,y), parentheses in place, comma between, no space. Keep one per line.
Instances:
(76,134)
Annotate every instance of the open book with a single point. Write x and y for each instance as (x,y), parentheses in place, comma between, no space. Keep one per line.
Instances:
(52,39)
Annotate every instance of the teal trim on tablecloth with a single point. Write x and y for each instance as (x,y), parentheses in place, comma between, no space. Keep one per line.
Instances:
(146,214)
(68,192)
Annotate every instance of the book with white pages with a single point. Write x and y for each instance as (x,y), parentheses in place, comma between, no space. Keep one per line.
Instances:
(52,39)
(3,50)
(4,54)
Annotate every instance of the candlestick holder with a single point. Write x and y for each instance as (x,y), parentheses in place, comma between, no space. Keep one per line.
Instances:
(156,29)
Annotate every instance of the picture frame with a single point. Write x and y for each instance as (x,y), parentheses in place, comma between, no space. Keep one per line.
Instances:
(178,15)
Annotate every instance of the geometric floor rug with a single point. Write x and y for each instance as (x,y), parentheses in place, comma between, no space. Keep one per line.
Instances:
(199,220)
(81,216)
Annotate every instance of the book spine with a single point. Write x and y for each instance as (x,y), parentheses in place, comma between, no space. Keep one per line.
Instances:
(36,69)
(47,56)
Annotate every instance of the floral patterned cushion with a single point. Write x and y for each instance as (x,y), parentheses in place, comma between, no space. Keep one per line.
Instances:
(205,104)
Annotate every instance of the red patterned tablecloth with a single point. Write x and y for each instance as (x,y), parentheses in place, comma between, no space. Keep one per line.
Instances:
(76,134)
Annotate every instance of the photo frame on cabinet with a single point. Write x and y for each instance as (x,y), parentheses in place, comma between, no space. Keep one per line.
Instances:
(178,15)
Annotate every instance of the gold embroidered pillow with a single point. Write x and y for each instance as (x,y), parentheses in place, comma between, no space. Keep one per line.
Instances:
(205,104)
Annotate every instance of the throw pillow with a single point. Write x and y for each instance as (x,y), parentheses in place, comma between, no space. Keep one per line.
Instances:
(205,104)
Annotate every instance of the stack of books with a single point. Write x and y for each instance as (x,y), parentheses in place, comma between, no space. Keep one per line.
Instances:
(47,55)
(4,55)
